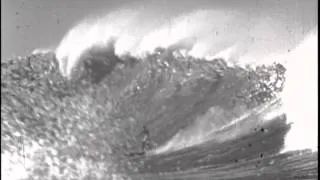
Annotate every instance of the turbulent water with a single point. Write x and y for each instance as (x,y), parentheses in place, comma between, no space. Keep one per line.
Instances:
(123,98)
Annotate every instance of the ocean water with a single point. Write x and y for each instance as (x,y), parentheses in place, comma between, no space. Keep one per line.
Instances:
(207,95)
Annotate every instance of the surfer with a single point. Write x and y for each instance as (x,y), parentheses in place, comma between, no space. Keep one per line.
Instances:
(145,145)
(146,142)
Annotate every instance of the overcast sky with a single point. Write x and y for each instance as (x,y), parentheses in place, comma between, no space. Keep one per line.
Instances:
(30,24)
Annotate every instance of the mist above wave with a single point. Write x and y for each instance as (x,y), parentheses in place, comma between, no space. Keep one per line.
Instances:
(237,37)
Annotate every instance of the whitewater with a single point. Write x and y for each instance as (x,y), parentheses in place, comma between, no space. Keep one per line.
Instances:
(237,36)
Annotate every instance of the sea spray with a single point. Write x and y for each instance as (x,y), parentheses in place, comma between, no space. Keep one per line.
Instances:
(202,33)
(90,33)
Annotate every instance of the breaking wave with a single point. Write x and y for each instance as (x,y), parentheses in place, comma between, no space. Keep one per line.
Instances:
(201,93)
(201,34)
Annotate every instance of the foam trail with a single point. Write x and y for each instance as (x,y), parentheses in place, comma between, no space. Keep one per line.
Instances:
(207,126)
(300,95)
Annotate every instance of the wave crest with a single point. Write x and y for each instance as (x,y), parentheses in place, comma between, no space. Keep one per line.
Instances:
(203,33)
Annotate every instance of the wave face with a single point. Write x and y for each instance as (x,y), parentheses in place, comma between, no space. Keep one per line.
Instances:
(164,117)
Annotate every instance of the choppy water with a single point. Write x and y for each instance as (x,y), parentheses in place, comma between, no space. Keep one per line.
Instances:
(201,121)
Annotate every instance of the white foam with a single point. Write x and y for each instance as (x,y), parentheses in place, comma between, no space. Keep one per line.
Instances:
(300,95)
(206,33)
(41,51)
(15,166)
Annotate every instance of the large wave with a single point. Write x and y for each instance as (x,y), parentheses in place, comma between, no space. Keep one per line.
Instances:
(195,82)
(206,34)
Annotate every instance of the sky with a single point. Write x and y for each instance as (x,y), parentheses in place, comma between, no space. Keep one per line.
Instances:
(30,24)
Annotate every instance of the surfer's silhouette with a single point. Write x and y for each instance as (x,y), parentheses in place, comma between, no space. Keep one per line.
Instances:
(146,141)
(145,145)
